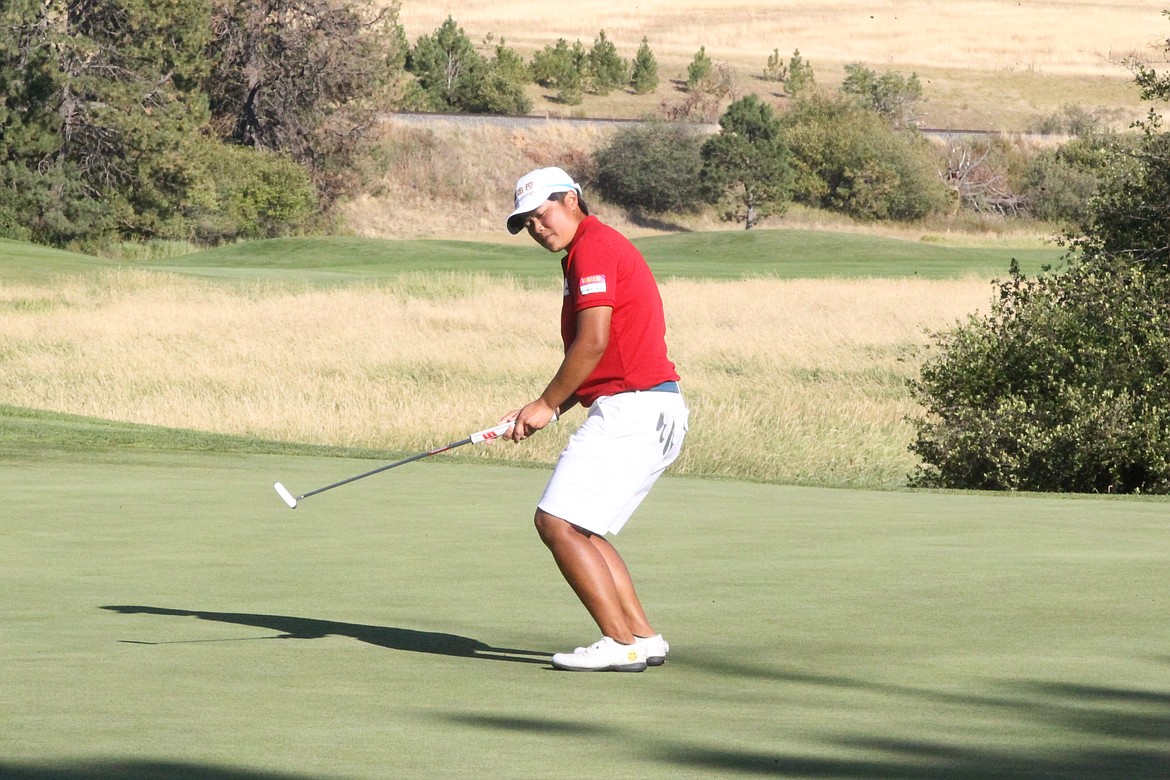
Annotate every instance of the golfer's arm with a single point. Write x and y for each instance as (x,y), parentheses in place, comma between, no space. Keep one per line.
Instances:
(581,357)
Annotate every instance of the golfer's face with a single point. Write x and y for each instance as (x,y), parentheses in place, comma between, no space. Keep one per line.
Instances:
(552,224)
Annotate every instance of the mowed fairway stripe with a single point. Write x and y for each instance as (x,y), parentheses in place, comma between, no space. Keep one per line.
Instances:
(168,611)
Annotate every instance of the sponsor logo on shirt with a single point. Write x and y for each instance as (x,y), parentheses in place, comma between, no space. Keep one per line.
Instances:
(592,284)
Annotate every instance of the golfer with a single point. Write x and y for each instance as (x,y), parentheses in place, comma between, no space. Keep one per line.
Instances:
(615,365)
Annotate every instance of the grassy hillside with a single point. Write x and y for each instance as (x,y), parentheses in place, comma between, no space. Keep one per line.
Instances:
(22,261)
(986,64)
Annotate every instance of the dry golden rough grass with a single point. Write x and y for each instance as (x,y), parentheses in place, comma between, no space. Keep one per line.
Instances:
(448,180)
(1061,36)
(994,64)
(793,381)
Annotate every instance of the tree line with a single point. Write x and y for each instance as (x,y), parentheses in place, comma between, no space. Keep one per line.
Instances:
(211,121)
(202,120)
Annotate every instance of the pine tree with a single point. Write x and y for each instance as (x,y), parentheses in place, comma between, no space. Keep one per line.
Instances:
(699,71)
(571,90)
(100,99)
(746,165)
(443,62)
(775,70)
(133,98)
(644,78)
(500,88)
(563,68)
(606,69)
(800,76)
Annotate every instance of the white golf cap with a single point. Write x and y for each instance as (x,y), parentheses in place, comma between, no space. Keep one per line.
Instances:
(535,188)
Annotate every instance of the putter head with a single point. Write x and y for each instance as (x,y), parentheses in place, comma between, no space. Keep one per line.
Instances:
(285,496)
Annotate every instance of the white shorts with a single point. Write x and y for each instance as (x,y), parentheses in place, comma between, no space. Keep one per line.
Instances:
(614,458)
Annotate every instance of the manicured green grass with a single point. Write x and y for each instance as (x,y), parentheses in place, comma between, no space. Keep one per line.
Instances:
(807,254)
(167,616)
(720,255)
(334,259)
(21,261)
(29,432)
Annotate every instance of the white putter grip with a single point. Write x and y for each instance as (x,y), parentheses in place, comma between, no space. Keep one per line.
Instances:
(498,430)
(491,433)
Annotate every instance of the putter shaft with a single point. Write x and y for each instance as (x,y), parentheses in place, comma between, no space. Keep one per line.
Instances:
(475,438)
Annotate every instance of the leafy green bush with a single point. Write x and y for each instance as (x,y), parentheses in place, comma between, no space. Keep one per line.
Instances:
(216,192)
(238,192)
(1071,119)
(1063,386)
(651,168)
(1057,191)
(849,159)
(890,94)
(1059,184)
(1131,217)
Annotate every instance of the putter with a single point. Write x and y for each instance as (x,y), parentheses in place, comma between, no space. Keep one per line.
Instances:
(475,438)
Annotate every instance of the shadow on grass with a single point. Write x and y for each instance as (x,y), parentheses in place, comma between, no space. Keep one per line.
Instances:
(382,636)
(135,770)
(1121,734)
(568,728)
(654,222)
(928,761)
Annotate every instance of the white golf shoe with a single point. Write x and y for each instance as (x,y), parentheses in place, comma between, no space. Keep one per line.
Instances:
(604,655)
(654,648)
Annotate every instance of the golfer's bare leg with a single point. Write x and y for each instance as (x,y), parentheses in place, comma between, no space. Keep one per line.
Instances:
(587,572)
(632,607)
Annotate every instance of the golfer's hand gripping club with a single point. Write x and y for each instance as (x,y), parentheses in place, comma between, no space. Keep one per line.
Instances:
(523,429)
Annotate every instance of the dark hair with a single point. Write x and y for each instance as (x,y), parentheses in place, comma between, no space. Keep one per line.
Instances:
(559,197)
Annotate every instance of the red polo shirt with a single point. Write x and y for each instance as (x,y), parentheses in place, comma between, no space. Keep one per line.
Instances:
(603,268)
